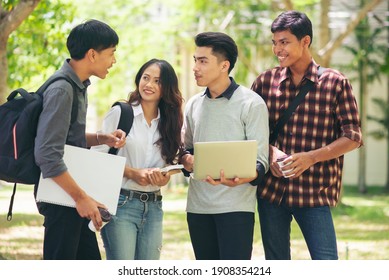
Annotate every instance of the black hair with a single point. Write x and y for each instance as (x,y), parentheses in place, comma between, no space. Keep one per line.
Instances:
(170,107)
(223,46)
(296,22)
(92,34)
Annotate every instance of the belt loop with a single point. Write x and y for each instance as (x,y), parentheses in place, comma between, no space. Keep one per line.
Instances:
(131,195)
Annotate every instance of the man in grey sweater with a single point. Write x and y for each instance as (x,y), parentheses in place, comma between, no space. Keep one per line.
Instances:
(220,212)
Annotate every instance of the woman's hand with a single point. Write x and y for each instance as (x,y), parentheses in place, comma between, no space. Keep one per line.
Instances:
(157,178)
(147,176)
(140,176)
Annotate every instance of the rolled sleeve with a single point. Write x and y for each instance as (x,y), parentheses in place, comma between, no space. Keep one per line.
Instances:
(353,132)
(110,123)
(348,116)
(53,128)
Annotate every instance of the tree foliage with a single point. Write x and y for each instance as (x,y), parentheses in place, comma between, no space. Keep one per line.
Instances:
(12,14)
(147,29)
(157,28)
(38,47)
(32,40)
(368,51)
(382,119)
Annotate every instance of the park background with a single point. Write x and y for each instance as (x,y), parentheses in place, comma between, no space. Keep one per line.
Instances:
(351,36)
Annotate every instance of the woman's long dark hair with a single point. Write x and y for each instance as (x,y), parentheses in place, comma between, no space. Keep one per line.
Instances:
(170,107)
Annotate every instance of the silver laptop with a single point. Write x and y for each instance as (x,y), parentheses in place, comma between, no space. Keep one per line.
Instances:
(236,158)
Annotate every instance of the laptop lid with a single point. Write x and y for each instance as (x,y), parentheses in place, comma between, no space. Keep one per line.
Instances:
(236,158)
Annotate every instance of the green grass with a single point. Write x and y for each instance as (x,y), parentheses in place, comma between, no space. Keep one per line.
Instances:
(361,222)
(21,220)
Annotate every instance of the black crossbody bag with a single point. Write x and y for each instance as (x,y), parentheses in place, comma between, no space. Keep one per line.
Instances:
(299,98)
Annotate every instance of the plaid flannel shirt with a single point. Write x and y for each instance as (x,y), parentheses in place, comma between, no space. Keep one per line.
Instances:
(328,112)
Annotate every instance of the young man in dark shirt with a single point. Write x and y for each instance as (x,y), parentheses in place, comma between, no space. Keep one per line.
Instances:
(92,48)
(322,129)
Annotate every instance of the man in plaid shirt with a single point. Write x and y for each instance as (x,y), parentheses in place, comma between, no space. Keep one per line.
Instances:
(313,141)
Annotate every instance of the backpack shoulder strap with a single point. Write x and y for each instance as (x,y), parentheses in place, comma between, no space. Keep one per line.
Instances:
(55,78)
(125,122)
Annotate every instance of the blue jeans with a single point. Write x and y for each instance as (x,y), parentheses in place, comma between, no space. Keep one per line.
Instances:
(315,223)
(135,232)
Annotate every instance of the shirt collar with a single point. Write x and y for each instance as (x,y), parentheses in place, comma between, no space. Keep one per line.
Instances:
(68,70)
(310,73)
(227,93)
(139,111)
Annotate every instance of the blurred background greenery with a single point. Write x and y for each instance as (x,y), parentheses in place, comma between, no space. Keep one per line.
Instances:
(350,35)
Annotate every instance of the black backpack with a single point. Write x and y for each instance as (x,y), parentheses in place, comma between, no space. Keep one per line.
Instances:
(19,117)
(125,121)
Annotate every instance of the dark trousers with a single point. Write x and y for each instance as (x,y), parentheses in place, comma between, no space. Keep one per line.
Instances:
(67,236)
(226,236)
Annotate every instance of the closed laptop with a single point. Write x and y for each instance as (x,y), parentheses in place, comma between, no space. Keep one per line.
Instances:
(236,158)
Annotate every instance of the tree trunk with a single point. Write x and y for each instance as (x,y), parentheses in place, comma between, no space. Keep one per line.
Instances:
(387,100)
(387,154)
(9,22)
(363,115)
(326,52)
(324,31)
(362,38)
(3,70)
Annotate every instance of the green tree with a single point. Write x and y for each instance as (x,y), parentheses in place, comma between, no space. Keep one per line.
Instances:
(32,41)
(166,28)
(12,14)
(146,29)
(382,133)
(368,55)
(249,23)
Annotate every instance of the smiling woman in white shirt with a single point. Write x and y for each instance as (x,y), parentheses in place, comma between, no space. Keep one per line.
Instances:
(154,141)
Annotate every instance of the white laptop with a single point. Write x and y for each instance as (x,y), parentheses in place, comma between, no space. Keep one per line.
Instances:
(236,158)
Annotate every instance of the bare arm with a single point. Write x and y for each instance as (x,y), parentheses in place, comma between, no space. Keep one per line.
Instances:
(115,139)
(303,161)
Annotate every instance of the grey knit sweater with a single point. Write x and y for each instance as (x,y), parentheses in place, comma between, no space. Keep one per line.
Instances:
(242,117)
